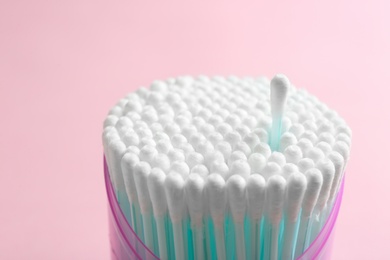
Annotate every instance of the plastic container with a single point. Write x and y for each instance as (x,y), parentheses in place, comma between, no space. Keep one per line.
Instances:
(126,245)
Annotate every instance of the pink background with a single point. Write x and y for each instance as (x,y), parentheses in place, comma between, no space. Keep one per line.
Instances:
(63,64)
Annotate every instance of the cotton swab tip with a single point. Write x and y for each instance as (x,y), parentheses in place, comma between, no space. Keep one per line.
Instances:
(279,88)
(236,186)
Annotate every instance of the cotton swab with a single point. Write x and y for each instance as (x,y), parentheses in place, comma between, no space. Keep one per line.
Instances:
(217,198)
(328,170)
(156,181)
(296,186)
(276,188)
(194,193)
(279,89)
(141,173)
(128,163)
(236,186)
(174,190)
(314,184)
(256,190)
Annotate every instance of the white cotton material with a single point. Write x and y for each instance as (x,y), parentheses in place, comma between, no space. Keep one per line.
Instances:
(289,169)
(225,148)
(276,189)
(216,197)
(236,189)
(270,170)
(221,168)
(155,182)
(174,190)
(161,161)
(279,89)
(128,162)
(278,158)
(180,168)
(236,155)
(286,140)
(201,170)
(141,173)
(257,162)
(327,170)
(296,186)
(305,164)
(194,194)
(240,167)
(293,154)
(256,190)
(314,184)
(338,162)
(315,153)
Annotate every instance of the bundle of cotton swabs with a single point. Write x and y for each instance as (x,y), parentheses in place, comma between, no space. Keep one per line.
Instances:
(225,168)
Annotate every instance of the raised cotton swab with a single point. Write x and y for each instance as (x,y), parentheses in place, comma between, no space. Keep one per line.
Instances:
(279,89)
(194,195)
(236,197)
(174,190)
(276,188)
(296,186)
(217,199)
(156,181)
(256,190)
(314,184)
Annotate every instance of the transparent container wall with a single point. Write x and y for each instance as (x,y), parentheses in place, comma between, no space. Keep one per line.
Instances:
(126,245)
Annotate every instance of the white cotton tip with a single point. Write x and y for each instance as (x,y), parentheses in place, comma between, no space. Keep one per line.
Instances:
(147,153)
(327,169)
(243,147)
(276,189)
(176,155)
(156,181)
(224,128)
(196,139)
(141,173)
(286,140)
(116,111)
(310,135)
(305,145)
(257,162)
(296,186)
(174,190)
(217,198)
(262,134)
(236,155)
(250,121)
(232,138)
(110,120)
(194,186)
(215,138)
(289,169)
(130,138)
(144,132)
(263,148)
(344,138)
(161,161)
(338,162)
(279,89)
(314,184)
(161,136)
(236,189)
(188,131)
(187,148)
(116,149)
(133,149)
(147,141)
(194,158)
(325,127)
(243,130)
(171,129)
(270,169)
(297,129)
(221,168)
(293,154)
(342,148)
(327,138)
(178,140)
(256,190)
(164,146)
(278,158)
(286,124)
(316,154)
(310,125)
(324,147)
(200,170)
(225,148)
(305,164)
(344,129)
(213,156)
(204,147)
(128,162)
(240,167)
(233,120)
(251,140)
(180,168)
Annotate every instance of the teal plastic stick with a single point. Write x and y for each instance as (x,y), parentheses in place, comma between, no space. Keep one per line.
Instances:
(276,132)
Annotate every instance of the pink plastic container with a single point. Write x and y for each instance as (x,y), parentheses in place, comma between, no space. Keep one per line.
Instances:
(126,245)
